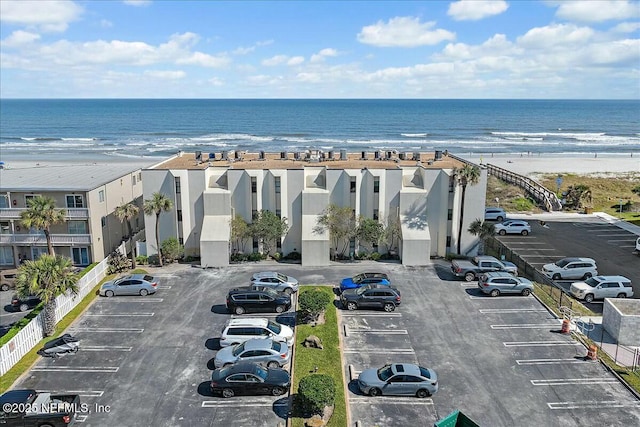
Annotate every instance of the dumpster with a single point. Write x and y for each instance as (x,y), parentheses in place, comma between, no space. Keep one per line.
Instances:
(456,419)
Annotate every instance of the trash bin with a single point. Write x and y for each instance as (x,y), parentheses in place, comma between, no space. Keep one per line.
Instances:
(456,419)
(588,210)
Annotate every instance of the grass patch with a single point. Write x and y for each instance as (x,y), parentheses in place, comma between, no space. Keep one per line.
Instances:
(552,296)
(30,358)
(328,361)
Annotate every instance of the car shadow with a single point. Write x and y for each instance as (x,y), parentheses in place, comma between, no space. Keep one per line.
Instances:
(282,407)
(219,309)
(338,305)
(288,318)
(336,291)
(444,273)
(213,344)
(204,389)
(353,388)
(475,292)
(211,365)
(9,308)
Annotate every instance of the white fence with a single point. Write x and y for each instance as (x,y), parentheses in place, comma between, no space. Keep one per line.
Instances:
(31,334)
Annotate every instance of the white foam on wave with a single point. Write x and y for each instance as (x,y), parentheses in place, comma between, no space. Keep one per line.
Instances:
(414,135)
(231,137)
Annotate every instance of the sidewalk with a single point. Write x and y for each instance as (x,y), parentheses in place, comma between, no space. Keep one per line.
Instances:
(591,327)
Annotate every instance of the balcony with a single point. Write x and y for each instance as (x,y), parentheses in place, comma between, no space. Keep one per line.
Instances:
(72,213)
(39,239)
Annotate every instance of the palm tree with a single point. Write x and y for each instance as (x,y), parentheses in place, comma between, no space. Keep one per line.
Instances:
(155,206)
(466,175)
(41,213)
(126,212)
(47,277)
(483,230)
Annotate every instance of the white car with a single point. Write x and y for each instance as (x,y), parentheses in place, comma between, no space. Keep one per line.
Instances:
(513,226)
(494,214)
(237,331)
(571,268)
(277,281)
(600,287)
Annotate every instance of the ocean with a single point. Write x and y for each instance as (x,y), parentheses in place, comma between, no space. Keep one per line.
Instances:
(135,128)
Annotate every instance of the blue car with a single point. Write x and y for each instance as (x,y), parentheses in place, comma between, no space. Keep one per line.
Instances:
(364,279)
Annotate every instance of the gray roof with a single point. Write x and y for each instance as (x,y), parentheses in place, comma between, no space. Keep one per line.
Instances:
(49,176)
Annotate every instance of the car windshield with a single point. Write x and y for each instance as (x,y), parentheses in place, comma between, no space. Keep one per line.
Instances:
(270,291)
(274,327)
(237,350)
(261,372)
(562,262)
(425,372)
(592,282)
(358,278)
(362,290)
(385,373)
(282,277)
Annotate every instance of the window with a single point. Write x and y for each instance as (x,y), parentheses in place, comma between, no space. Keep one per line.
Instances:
(179,211)
(101,196)
(4,202)
(178,189)
(77,227)
(254,213)
(139,176)
(28,197)
(376,185)
(6,255)
(352,185)
(452,184)
(254,184)
(448,241)
(75,201)
(278,213)
(449,214)
(181,240)
(277,184)
(5,227)
(255,245)
(134,180)
(80,256)
(103,221)
(375,214)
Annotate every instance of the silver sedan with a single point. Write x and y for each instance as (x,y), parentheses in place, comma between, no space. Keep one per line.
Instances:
(134,284)
(401,379)
(266,352)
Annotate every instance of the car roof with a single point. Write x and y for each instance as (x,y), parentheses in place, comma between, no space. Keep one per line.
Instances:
(258,344)
(16,396)
(498,274)
(405,368)
(240,367)
(612,278)
(248,321)
(263,274)
(579,259)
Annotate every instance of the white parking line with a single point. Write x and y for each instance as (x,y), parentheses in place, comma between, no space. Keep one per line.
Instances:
(121,315)
(469,284)
(544,256)
(84,393)
(490,298)
(549,361)
(622,240)
(575,381)
(134,299)
(270,315)
(512,310)
(534,249)
(627,246)
(134,330)
(379,331)
(526,326)
(81,418)
(527,243)
(613,235)
(374,314)
(163,287)
(390,400)
(379,351)
(538,343)
(257,401)
(105,348)
(603,404)
(106,369)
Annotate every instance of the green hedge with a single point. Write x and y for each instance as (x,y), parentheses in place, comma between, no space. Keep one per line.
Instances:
(315,392)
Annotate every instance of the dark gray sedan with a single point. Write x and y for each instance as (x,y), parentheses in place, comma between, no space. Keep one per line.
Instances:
(134,284)
(400,379)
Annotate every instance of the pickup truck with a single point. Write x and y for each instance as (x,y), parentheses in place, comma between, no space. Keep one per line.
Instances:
(28,408)
(472,269)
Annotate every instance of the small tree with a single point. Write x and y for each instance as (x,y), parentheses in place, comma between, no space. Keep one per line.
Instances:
(483,230)
(577,196)
(636,190)
(392,232)
(341,224)
(117,262)
(369,230)
(240,231)
(172,249)
(267,227)
(155,206)
(315,392)
(466,175)
(126,212)
(47,277)
(41,214)
(312,303)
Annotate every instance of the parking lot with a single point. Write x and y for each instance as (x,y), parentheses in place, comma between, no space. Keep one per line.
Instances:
(499,360)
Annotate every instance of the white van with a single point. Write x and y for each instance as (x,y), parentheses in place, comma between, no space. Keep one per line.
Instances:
(236,331)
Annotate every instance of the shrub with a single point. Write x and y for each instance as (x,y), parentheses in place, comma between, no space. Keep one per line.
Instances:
(523,204)
(312,302)
(362,255)
(277,256)
(118,262)
(238,257)
(172,249)
(256,256)
(153,259)
(142,259)
(315,392)
(293,255)
(375,256)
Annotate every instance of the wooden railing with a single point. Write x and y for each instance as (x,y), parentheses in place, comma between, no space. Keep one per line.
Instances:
(536,190)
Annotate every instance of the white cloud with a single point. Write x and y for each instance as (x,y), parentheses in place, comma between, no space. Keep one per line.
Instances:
(296,60)
(403,32)
(204,60)
(20,38)
(626,27)
(275,60)
(246,50)
(137,3)
(597,10)
(166,75)
(556,35)
(104,23)
(216,81)
(474,10)
(47,16)
(324,53)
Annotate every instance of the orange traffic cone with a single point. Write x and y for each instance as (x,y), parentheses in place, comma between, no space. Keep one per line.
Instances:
(592,352)
(566,327)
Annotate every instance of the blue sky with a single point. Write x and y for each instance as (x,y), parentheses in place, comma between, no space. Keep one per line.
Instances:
(314,49)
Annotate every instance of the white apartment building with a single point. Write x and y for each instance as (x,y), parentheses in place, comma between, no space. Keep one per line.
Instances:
(89,193)
(208,190)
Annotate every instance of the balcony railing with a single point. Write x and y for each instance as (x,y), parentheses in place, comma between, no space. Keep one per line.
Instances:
(39,239)
(72,213)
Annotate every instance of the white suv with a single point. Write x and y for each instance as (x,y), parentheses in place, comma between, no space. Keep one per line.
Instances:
(571,268)
(495,214)
(600,287)
(236,331)
(513,226)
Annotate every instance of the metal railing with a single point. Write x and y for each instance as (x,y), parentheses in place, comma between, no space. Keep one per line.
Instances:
(72,213)
(40,239)
(536,190)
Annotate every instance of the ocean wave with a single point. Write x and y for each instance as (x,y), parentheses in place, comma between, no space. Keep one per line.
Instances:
(414,135)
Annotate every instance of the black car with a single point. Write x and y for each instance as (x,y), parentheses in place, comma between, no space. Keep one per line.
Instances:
(249,378)
(244,300)
(24,304)
(371,296)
